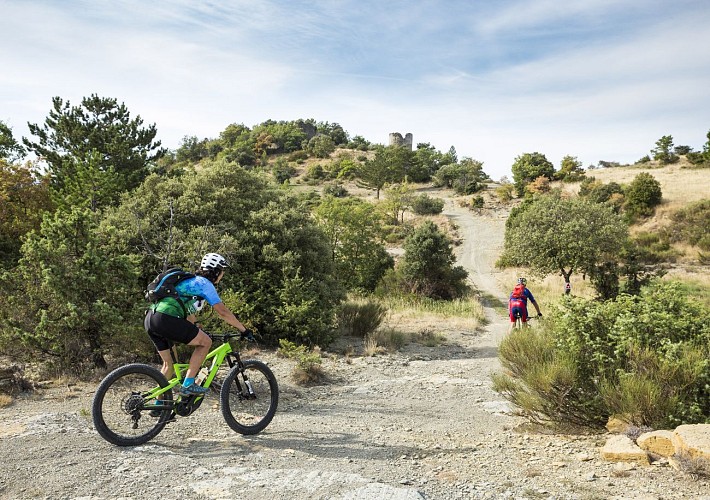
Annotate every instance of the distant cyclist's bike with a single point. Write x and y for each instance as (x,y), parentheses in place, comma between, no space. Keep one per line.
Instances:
(133,403)
(519,323)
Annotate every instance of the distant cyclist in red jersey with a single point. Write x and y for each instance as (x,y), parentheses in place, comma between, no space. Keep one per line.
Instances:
(518,302)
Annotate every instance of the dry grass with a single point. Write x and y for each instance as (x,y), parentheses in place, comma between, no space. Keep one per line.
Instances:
(372,347)
(695,467)
(463,314)
(680,185)
(311,374)
(5,400)
(546,290)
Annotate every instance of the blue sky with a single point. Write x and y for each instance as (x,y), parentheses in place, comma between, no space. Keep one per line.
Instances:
(595,79)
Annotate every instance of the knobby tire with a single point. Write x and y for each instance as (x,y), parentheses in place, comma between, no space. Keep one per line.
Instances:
(117,401)
(249,413)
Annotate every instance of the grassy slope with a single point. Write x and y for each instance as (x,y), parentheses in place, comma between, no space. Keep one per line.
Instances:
(680,185)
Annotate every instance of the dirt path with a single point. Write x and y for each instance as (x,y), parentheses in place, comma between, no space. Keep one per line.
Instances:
(422,423)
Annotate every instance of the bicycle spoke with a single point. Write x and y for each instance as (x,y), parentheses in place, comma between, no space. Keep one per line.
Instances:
(122,415)
(249,407)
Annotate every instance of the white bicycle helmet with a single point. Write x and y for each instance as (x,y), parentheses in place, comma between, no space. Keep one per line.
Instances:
(522,281)
(213,261)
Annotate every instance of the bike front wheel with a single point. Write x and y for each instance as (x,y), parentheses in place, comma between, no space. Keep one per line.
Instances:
(121,410)
(249,397)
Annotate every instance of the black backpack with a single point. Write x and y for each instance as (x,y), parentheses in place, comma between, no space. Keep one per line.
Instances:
(164,286)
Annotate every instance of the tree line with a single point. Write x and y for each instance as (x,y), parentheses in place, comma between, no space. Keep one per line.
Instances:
(105,207)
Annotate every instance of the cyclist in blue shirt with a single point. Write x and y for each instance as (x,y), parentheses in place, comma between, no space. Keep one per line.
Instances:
(173,320)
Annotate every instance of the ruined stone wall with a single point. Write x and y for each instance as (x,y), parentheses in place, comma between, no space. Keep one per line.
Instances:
(396,139)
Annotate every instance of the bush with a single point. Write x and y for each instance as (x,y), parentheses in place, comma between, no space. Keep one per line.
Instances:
(298,156)
(697,158)
(541,185)
(320,146)
(282,171)
(360,318)
(690,225)
(528,167)
(308,362)
(427,266)
(335,189)
(426,205)
(505,192)
(644,356)
(642,195)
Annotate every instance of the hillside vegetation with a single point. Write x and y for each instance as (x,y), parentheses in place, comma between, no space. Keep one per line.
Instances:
(328,233)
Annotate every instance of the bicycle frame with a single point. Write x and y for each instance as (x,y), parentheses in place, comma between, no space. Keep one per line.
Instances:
(217,355)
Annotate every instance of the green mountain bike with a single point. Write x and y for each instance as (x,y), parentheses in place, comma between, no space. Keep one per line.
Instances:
(133,403)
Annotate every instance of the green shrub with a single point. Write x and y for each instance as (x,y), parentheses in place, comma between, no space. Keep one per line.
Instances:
(298,156)
(282,171)
(642,195)
(335,189)
(308,362)
(315,172)
(696,158)
(426,205)
(477,202)
(427,267)
(645,356)
(690,225)
(505,192)
(656,247)
(360,318)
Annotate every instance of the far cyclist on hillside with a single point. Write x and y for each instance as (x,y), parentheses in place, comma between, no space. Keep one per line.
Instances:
(518,302)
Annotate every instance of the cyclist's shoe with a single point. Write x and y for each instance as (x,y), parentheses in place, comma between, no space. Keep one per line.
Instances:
(193,390)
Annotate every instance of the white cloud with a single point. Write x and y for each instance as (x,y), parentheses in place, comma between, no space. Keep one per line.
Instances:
(592,88)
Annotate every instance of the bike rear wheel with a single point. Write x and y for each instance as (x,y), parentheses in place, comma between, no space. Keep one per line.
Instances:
(120,410)
(249,398)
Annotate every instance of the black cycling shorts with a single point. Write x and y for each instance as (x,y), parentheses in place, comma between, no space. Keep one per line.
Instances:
(164,329)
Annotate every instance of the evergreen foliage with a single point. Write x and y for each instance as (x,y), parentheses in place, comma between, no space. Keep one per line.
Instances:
(663,152)
(644,357)
(528,167)
(571,169)
(388,166)
(353,229)
(427,267)
(426,205)
(550,234)
(99,128)
(690,225)
(10,149)
(70,297)
(642,195)
(466,177)
(284,278)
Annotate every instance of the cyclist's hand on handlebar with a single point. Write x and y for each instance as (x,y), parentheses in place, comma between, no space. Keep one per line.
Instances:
(248,335)
(539,315)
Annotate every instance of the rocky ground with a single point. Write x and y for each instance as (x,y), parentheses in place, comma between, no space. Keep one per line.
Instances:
(423,423)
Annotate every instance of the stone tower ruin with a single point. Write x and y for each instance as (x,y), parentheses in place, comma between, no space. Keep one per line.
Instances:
(396,139)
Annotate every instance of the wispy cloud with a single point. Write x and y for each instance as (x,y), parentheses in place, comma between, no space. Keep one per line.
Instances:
(599,79)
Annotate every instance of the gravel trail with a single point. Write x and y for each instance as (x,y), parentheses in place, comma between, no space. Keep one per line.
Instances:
(423,423)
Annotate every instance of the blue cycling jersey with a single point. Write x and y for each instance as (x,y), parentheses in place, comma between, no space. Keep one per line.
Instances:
(193,293)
